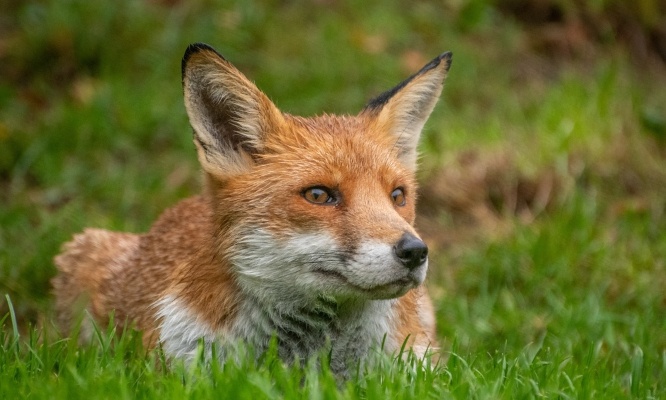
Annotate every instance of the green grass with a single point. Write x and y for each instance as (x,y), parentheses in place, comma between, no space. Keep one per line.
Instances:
(567,302)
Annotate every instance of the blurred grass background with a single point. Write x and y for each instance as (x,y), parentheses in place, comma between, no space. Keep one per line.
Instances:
(543,170)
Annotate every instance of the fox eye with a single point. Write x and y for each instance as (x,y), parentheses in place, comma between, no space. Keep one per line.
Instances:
(319,195)
(398,196)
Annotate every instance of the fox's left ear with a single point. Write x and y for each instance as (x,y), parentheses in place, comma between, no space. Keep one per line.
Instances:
(402,111)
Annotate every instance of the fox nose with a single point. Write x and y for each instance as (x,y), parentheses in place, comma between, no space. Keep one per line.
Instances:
(411,251)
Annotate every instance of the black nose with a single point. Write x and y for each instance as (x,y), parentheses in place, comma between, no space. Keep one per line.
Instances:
(411,251)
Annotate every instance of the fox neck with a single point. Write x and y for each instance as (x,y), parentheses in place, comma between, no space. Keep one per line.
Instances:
(302,330)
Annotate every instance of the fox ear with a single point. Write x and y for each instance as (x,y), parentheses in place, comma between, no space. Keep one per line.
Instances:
(230,116)
(402,111)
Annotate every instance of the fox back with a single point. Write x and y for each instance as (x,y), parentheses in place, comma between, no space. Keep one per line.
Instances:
(303,232)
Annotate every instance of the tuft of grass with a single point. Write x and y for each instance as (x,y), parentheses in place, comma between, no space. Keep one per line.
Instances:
(117,365)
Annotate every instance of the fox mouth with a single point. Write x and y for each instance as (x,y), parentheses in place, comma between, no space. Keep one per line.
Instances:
(392,289)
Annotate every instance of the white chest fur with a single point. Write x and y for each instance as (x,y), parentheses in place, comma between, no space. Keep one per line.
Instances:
(348,330)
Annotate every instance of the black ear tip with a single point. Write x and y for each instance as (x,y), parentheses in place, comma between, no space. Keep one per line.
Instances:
(446,57)
(193,49)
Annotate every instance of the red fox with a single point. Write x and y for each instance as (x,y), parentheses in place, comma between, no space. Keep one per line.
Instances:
(304,230)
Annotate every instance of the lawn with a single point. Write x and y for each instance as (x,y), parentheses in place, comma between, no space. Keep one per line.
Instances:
(543,187)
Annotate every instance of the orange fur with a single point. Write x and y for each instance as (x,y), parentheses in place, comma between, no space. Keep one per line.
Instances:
(252,252)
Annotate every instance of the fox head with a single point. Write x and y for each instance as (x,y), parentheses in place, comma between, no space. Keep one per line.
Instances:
(311,207)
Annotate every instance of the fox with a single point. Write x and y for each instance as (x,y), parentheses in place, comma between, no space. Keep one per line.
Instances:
(303,234)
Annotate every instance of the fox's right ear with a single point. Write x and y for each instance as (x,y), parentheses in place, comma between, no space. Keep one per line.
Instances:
(230,116)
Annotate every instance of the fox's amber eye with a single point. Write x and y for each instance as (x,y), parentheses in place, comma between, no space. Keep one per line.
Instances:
(319,195)
(398,196)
